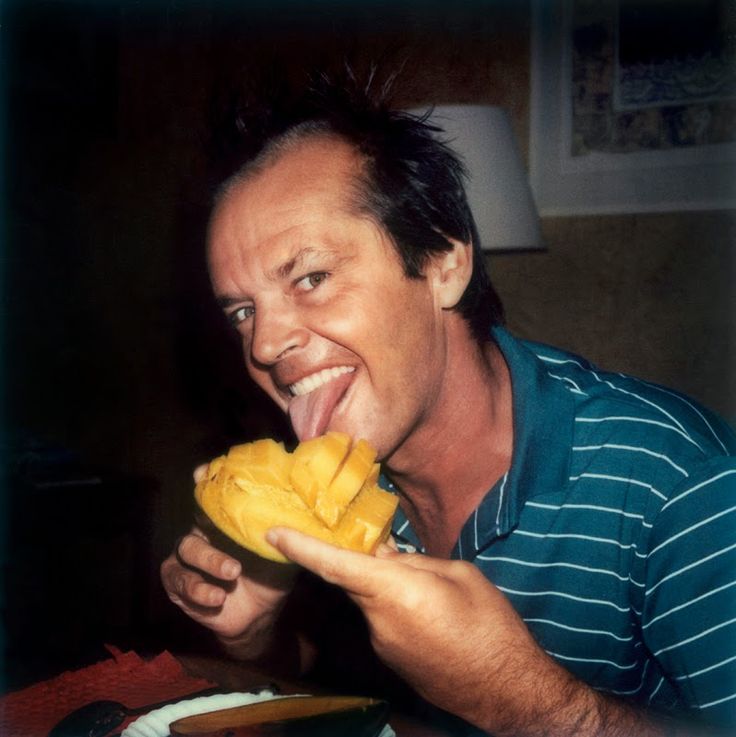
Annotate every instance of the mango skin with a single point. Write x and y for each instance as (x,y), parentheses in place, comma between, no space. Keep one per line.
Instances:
(326,488)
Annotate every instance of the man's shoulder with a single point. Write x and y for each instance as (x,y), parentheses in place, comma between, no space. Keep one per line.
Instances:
(619,408)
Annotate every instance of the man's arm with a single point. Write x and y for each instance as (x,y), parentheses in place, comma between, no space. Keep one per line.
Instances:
(458,641)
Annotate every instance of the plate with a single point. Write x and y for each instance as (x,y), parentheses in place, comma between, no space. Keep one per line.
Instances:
(156,723)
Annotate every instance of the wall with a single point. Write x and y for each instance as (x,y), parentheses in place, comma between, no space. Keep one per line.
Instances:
(111,346)
(648,294)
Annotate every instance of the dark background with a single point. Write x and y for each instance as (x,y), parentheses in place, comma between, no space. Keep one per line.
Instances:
(119,376)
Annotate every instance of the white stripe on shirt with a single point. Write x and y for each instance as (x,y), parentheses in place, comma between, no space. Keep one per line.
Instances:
(634,449)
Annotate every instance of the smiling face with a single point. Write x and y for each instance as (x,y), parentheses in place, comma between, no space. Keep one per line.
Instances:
(331,327)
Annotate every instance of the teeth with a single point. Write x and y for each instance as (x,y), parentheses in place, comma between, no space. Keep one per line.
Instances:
(318,379)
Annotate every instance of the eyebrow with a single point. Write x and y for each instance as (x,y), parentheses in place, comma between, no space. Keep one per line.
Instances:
(287,268)
(282,271)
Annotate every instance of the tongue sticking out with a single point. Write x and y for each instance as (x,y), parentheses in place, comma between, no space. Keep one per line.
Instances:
(310,413)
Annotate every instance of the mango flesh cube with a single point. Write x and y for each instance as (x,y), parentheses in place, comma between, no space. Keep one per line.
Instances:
(333,500)
(262,462)
(306,449)
(353,474)
(367,522)
(328,456)
(304,483)
(253,513)
(324,488)
(327,509)
(302,480)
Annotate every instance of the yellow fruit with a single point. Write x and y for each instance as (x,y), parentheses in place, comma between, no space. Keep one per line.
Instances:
(326,488)
(333,500)
(324,458)
(262,462)
(367,521)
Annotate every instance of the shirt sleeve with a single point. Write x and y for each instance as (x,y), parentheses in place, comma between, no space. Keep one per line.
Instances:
(689,615)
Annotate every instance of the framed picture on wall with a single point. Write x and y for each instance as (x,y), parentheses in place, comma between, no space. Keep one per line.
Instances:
(633,106)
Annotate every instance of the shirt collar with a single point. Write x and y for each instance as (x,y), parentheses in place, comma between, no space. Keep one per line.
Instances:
(543,416)
(543,411)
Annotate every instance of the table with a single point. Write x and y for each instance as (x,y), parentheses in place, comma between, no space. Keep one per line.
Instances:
(136,681)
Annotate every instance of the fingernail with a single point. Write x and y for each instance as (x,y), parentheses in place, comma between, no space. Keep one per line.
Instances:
(230,569)
(216,597)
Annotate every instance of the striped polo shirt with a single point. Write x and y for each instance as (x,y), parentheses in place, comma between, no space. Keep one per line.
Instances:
(613,534)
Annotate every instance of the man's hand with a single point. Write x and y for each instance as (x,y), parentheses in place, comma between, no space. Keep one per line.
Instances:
(239,606)
(458,641)
(212,588)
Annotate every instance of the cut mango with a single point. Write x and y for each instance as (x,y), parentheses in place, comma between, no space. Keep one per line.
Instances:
(304,483)
(353,473)
(326,458)
(367,521)
(262,462)
(332,501)
(326,488)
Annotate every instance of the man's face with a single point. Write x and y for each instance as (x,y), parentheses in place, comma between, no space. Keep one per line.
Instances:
(331,328)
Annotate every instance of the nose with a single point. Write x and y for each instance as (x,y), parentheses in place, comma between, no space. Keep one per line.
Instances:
(277,331)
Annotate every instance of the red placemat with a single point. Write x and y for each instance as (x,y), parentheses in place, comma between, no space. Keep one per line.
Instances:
(126,677)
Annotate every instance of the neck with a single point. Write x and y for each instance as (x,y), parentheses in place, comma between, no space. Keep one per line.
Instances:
(463,446)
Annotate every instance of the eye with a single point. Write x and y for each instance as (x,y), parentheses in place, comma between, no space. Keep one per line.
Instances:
(311,281)
(240,314)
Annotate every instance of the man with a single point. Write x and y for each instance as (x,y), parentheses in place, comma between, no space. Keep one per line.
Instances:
(575,528)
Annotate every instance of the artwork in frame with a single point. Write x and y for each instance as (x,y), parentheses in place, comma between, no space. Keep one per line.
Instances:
(633,106)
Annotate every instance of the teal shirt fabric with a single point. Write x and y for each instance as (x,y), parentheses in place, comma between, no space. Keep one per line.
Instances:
(613,534)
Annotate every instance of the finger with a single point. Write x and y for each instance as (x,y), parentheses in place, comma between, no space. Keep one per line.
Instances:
(195,552)
(187,589)
(199,472)
(357,573)
(206,594)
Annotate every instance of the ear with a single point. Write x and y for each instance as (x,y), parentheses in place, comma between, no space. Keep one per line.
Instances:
(450,273)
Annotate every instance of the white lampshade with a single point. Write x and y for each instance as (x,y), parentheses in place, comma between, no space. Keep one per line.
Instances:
(498,187)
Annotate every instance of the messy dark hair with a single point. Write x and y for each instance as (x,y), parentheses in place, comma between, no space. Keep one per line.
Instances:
(411,182)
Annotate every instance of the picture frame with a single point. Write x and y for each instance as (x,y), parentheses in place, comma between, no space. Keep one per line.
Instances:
(569,178)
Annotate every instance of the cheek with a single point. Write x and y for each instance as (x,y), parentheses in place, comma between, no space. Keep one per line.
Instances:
(353,319)
(391,315)
(413,326)
(403,343)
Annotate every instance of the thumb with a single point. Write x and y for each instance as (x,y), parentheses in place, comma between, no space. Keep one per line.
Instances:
(358,573)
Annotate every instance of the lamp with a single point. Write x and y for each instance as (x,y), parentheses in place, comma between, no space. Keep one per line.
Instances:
(498,188)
